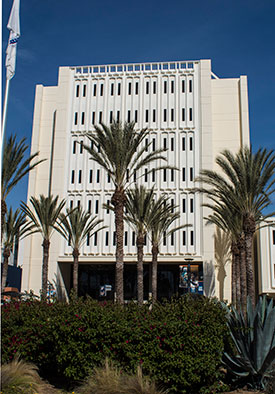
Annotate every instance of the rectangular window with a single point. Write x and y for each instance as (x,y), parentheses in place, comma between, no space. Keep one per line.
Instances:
(96,206)
(164,115)
(114,238)
(164,175)
(101,89)
(191,238)
(108,178)
(183,175)
(146,175)
(133,238)
(172,144)
(71,204)
(82,118)
(172,115)
(191,143)
(91,176)
(72,177)
(154,87)
(190,114)
(172,86)
(97,176)
(191,174)
(183,114)
(147,115)
(136,116)
(172,204)
(77,91)
(108,210)
(125,238)
(78,203)
(117,116)
(112,89)
(95,239)
(153,175)
(136,87)
(165,87)
(111,116)
(154,145)
(118,88)
(93,117)
(190,86)
(88,239)
(79,176)
(84,91)
(172,175)
(89,206)
(74,147)
(129,116)
(273,233)
(75,118)
(135,176)
(107,238)
(184,205)
(191,205)
(147,87)
(165,143)
(182,86)
(100,117)
(183,143)
(184,238)
(164,238)
(129,88)
(94,92)
(127,175)
(81,147)
(172,239)
(146,145)
(154,115)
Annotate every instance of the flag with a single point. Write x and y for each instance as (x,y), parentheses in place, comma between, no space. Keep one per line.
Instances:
(14,27)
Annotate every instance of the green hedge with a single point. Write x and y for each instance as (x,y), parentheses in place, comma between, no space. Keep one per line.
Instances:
(179,343)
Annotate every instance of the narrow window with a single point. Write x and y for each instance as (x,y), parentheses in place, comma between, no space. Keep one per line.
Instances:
(184,205)
(114,238)
(107,238)
(191,143)
(146,175)
(172,204)
(108,178)
(154,87)
(129,88)
(117,116)
(147,87)
(164,175)
(98,148)
(126,238)
(165,87)
(94,93)
(74,147)
(190,86)
(75,118)
(172,86)
(100,117)
(129,116)
(133,238)
(165,143)
(153,175)
(95,239)
(164,238)
(135,176)
(89,206)
(118,89)
(101,89)
(96,207)
(127,175)
(146,145)
(172,115)
(88,239)
(136,87)
(164,115)
(84,91)
(183,114)
(190,114)
(93,117)
(154,145)
(273,233)
(81,147)
(182,86)
(145,239)
(72,177)
(79,176)
(183,175)
(111,116)
(92,144)
(82,118)
(183,143)
(112,89)
(147,115)
(77,91)
(97,176)
(108,210)
(78,203)
(191,174)
(71,204)
(191,205)
(191,238)
(172,175)
(154,115)
(184,238)
(172,144)
(91,176)
(172,239)
(136,116)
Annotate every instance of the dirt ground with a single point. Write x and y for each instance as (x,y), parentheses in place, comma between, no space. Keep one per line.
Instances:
(240,391)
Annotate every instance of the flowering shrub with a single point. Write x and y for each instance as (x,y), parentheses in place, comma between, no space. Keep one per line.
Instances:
(179,344)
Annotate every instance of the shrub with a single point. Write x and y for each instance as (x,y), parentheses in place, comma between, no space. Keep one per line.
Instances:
(179,344)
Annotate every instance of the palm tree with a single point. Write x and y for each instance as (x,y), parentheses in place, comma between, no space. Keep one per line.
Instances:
(44,221)
(163,215)
(12,230)
(14,168)
(246,189)
(76,227)
(121,156)
(138,214)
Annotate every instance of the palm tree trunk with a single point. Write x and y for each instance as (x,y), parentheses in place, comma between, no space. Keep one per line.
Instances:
(6,255)
(155,251)
(140,244)
(45,266)
(249,266)
(243,273)
(75,271)
(233,274)
(238,280)
(3,213)
(118,200)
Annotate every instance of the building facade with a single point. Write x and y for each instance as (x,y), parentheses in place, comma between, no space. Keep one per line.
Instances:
(189,111)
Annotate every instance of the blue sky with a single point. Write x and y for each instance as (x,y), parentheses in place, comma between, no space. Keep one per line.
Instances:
(238,35)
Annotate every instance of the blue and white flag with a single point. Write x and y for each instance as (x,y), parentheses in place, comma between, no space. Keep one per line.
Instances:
(14,27)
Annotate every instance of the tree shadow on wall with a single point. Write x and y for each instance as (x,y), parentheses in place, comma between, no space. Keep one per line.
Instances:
(222,257)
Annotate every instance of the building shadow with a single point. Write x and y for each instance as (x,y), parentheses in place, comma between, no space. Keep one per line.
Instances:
(222,257)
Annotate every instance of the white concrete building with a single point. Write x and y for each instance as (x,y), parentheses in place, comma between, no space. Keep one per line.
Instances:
(188,110)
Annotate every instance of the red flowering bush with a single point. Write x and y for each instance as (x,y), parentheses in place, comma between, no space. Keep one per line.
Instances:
(179,344)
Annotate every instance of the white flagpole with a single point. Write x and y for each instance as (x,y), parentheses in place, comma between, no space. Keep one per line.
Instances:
(5,109)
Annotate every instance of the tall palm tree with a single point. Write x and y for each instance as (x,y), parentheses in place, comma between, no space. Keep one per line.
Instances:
(245,187)
(14,168)
(138,214)
(76,226)
(163,215)
(13,228)
(121,156)
(46,211)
